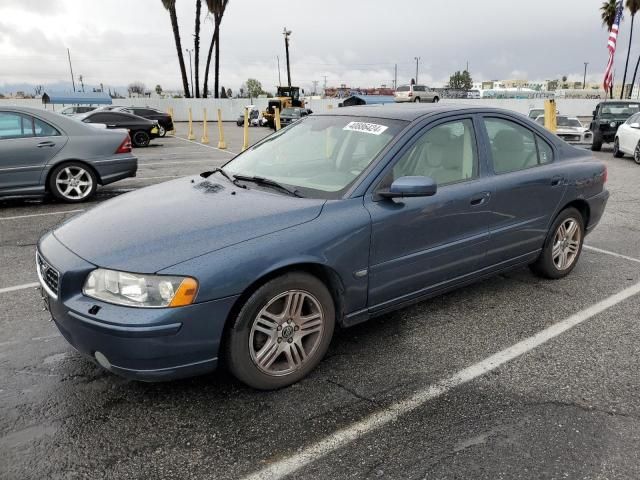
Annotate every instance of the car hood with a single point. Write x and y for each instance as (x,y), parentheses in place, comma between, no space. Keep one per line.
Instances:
(153,228)
(573,130)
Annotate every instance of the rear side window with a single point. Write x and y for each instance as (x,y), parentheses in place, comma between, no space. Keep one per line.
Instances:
(418,88)
(15,125)
(43,129)
(514,147)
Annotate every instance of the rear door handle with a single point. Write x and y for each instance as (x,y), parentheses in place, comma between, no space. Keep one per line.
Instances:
(46,144)
(480,199)
(557,180)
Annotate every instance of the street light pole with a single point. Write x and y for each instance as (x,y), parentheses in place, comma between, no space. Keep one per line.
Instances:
(417,59)
(286,34)
(189,51)
(584,81)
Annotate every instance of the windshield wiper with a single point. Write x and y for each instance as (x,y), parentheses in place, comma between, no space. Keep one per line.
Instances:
(224,174)
(268,182)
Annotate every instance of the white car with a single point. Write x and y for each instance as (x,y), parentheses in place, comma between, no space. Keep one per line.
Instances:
(415,93)
(570,129)
(627,139)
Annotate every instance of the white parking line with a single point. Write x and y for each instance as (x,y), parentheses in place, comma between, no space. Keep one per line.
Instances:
(19,287)
(339,439)
(208,146)
(613,254)
(42,214)
(186,162)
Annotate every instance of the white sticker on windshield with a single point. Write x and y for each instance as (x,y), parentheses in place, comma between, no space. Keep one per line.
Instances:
(364,127)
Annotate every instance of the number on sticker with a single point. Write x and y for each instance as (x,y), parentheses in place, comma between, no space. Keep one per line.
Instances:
(364,127)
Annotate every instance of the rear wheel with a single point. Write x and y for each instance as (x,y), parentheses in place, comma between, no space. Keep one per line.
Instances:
(140,138)
(417,100)
(282,332)
(596,144)
(636,154)
(72,182)
(161,131)
(436,99)
(562,247)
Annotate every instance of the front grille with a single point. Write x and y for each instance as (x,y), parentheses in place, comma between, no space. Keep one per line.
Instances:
(49,276)
(570,138)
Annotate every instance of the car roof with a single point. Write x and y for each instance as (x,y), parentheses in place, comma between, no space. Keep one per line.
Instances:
(410,112)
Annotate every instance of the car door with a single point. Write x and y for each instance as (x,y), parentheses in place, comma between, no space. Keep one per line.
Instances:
(422,244)
(429,94)
(26,145)
(627,135)
(528,186)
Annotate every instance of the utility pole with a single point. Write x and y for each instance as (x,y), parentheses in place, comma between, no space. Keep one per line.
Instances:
(324,88)
(73,82)
(417,67)
(395,77)
(315,87)
(279,80)
(190,51)
(584,81)
(81,82)
(286,34)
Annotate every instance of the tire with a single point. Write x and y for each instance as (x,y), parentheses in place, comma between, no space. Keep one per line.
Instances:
(140,138)
(636,154)
(562,247)
(161,131)
(417,100)
(596,144)
(436,99)
(266,349)
(72,182)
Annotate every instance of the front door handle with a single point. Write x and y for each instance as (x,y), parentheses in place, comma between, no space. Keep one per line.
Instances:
(46,144)
(480,199)
(111,126)
(557,180)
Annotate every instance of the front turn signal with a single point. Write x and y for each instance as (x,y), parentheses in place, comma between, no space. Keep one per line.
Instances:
(186,293)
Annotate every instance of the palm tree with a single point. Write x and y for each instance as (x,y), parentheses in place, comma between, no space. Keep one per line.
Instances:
(608,13)
(217,9)
(170,6)
(196,46)
(633,6)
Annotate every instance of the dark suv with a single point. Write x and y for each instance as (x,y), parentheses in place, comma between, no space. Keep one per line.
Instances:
(164,119)
(607,117)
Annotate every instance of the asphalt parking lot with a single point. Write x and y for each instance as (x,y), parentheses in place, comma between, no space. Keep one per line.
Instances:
(414,394)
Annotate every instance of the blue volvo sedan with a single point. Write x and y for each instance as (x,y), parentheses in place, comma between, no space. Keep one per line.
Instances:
(334,220)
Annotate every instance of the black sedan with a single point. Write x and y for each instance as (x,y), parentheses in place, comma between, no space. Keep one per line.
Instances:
(290,115)
(140,129)
(165,122)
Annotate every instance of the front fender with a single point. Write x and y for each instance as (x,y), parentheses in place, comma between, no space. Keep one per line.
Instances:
(338,239)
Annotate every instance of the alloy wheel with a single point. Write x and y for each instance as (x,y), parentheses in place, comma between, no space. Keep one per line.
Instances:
(286,333)
(636,154)
(566,244)
(161,131)
(74,183)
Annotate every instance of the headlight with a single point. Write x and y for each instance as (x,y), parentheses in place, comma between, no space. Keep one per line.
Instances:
(612,124)
(135,290)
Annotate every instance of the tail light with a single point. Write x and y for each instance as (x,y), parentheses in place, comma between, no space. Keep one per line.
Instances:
(125,146)
(411,94)
(605,175)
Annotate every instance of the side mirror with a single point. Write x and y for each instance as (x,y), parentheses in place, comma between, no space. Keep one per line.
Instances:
(635,125)
(410,187)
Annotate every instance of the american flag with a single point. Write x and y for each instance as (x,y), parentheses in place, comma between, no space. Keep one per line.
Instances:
(611,45)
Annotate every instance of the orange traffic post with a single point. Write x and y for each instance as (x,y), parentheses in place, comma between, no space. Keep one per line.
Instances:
(222,145)
(205,129)
(173,130)
(245,143)
(191,136)
(550,115)
(277,119)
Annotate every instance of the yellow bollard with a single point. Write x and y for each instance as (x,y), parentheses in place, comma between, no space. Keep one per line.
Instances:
(550,115)
(277,119)
(245,144)
(221,143)
(205,129)
(191,136)
(173,130)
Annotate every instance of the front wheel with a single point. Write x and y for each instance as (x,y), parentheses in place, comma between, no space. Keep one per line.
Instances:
(72,182)
(562,247)
(616,149)
(282,332)
(140,138)
(636,154)
(596,144)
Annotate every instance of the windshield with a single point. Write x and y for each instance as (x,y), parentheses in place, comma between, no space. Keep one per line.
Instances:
(619,110)
(404,88)
(568,122)
(319,155)
(294,112)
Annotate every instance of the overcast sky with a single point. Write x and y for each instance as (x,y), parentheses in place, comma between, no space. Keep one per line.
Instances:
(356,42)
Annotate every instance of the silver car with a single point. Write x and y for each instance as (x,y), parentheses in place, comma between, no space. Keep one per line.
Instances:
(415,93)
(44,152)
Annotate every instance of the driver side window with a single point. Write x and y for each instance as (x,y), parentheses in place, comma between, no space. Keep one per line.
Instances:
(446,153)
(513,147)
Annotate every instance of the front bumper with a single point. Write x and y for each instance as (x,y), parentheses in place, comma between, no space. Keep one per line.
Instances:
(149,344)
